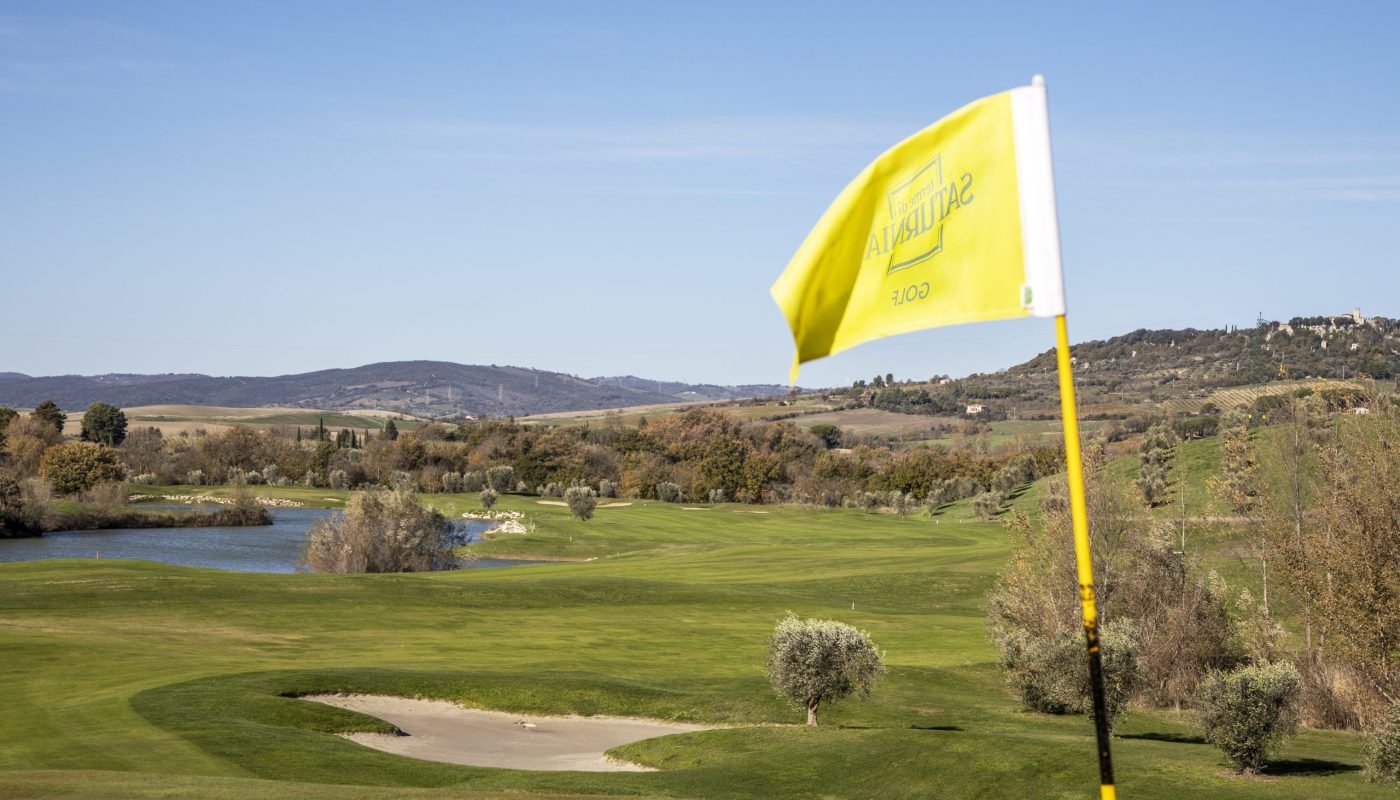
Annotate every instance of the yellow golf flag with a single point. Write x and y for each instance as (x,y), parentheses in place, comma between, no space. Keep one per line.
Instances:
(954,224)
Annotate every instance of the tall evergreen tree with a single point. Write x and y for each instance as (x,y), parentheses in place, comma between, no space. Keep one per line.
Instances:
(105,424)
(49,412)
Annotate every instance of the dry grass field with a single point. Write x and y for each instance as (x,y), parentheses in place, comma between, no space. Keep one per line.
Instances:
(173,420)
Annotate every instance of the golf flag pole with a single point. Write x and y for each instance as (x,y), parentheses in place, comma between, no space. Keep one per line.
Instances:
(1078,507)
(955,224)
(1074,469)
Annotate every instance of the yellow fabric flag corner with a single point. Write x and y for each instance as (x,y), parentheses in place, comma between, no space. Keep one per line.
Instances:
(955,224)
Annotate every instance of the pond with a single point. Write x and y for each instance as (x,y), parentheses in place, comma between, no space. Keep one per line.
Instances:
(264,548)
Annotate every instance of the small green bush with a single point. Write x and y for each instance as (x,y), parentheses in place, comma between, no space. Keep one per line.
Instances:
(488,497)
(1249,712)
(987,504)
(1051,673)
(1383,749)
(582,500)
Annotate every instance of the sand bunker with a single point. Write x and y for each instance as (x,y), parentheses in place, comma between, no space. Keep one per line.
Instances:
(563,503)
(442,731)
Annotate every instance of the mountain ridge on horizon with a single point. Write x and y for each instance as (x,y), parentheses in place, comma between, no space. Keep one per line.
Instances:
(419,387)
(1323,346)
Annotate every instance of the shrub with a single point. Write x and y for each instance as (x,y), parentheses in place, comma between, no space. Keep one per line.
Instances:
(1383,749)
(1051,673)
(1015,474)
(473,482)
(829,434)
(940,493)
(987,504)
(582,500)
(337,479)
(382,532)
(195,477)
(716,496)
(607,488)
(1250,711)
(901,503)
(815,661)
(553,489)
(452,482)
(75,466)
(144,479)
(501,478)
(21,508)
(488,498)
(668,492)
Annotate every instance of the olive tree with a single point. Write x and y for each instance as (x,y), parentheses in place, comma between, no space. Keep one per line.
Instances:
(488,497)
(1051,673)
(582,500)
(383,531)
(1248,712)
(987,504)
(815,661)
(501,478)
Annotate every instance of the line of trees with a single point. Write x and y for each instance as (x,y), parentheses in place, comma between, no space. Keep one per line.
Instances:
(696,456)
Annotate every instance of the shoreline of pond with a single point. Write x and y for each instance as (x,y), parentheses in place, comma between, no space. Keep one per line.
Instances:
(274,548)
(129,518)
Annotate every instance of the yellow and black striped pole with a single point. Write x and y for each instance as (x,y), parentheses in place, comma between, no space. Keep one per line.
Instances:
(1074,468)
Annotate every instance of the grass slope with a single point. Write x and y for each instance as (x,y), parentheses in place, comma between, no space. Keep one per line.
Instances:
(134,679)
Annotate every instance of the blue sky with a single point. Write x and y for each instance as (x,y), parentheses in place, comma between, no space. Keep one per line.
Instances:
(608,188)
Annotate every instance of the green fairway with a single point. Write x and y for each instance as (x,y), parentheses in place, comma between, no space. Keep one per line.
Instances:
(134,679)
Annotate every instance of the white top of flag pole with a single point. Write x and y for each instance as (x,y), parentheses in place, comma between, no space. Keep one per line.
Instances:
(1040,224)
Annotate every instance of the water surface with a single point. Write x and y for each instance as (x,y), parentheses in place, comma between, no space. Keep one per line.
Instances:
(263,548)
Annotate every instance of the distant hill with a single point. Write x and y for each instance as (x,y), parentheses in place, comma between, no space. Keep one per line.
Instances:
(698,391)
(423,388)
(1150,371)
(1339,347)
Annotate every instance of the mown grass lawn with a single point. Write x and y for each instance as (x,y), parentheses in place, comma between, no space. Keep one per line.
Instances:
(134,679)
